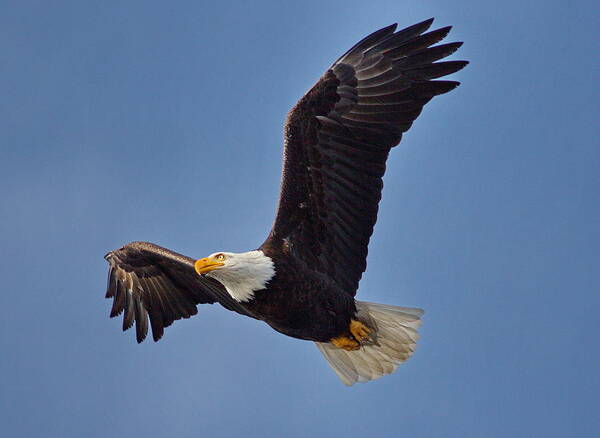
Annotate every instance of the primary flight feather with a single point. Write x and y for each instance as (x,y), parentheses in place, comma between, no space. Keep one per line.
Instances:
(302,280)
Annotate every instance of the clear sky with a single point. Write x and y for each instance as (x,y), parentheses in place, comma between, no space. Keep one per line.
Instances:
(162,121)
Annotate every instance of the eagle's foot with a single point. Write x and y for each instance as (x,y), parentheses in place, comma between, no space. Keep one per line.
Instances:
(345,343)
(360,331)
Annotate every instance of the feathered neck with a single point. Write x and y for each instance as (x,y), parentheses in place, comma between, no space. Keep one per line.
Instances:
(244,273)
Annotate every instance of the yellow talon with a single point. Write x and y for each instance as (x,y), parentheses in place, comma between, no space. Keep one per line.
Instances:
(360,331)
(345,343)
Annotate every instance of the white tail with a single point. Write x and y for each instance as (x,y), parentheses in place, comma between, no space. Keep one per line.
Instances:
(394,340)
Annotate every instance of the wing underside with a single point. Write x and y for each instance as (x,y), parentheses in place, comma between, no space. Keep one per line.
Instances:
(337,140)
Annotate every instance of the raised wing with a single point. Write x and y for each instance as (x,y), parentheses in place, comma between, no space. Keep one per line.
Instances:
(337,140)
(147,281)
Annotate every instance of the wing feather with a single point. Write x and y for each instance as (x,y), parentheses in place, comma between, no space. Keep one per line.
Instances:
(337,140)
(149,283)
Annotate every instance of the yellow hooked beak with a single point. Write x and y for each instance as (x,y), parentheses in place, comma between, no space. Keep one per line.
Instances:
(207,264)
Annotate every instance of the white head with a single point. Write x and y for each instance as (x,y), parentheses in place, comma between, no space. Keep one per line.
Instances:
(241,274)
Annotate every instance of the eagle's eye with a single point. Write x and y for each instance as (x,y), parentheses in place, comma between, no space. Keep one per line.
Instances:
(220,257)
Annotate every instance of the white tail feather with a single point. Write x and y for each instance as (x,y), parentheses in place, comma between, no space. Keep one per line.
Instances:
(395,337)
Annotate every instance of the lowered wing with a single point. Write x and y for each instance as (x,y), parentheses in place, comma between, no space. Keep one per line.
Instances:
(148,282)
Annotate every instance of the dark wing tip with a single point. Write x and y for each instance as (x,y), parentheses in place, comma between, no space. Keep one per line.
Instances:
(434,70)
(419,27)
(367,42)
(139,337)
(110,286)
(442,87)
(141,320)
(391,28)
(442,32)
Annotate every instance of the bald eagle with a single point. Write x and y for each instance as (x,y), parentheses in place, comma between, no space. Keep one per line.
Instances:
(303,279)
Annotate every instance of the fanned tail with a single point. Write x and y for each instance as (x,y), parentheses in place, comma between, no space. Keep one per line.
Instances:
(394,340)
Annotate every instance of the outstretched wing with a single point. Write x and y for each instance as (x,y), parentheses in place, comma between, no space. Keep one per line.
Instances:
(147,281)
(337,140)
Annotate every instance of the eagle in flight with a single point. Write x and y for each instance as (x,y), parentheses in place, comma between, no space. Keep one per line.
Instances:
(303,279)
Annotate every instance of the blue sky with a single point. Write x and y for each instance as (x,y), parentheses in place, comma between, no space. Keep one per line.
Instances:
(143,120)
